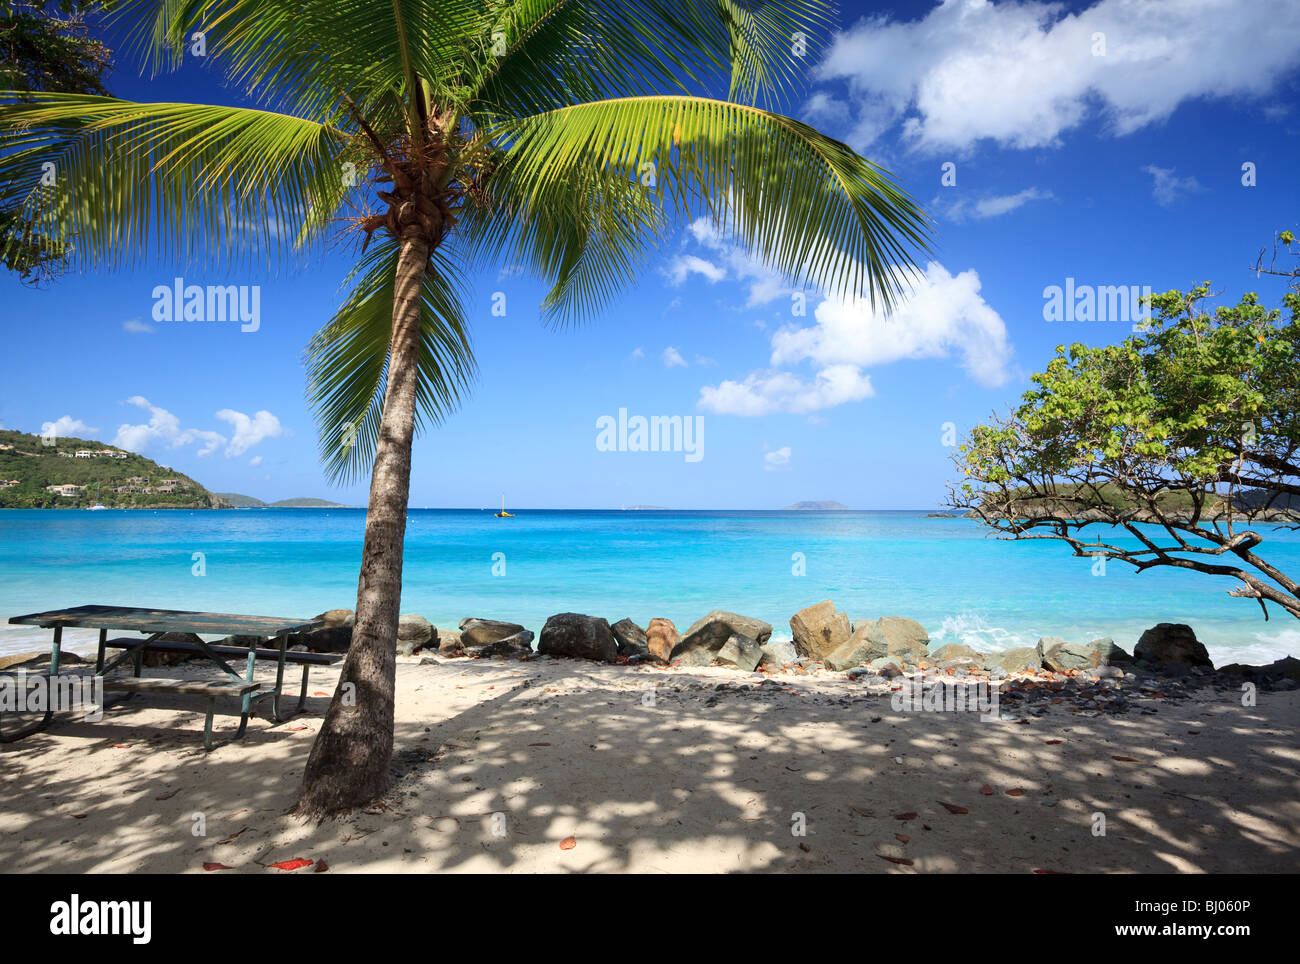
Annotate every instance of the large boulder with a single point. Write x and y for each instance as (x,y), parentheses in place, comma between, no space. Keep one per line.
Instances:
(520,644)
(334,618)
(484,632)
(1059,656)
(950,651)
(707,636)
(719,620)
(778,654)
(660,638)
(1172,649)
(740,652)
(583,637)
(860,648)
(414,632)
(630,638)
(1015,660)
(819,630)
(901,637)
(449,642)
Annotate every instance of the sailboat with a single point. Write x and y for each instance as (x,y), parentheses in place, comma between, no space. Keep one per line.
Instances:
(503,514)
(98,505)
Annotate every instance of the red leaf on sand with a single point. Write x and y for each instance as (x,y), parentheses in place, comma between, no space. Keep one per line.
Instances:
(293,864)
(910,815)
(986,790)
(905,861)
(952,807)
(321,867)
(1054,742)
(77,816)
(902,838)
(295,729)
(1050,871)
(1124,759)
(213,865)
(318,693)
(121,746)
(568,843)
(539,744)
(1015,792)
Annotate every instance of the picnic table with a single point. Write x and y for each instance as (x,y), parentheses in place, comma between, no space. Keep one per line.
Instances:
(250,638)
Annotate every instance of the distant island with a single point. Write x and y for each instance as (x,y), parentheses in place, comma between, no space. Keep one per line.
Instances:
(645,508)
(39,472)
(239,501)
(817,507)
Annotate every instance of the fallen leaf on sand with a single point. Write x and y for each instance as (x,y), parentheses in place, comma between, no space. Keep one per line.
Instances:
(1016,792)
(902,838)
(213,865)
(318,693)
(986,790)
(568,843)
(321,867)
(1054,742)
(1049,871)
(121,746)
(294,864)
(77,816)
(1124,759)
(225,840)
(952,807)
(905,861)
(911,815)
(539,744)
(295,729)
(168,796)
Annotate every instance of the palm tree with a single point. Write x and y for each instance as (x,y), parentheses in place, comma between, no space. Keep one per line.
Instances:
(561,136)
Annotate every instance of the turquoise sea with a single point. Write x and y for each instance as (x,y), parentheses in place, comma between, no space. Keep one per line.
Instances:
(960,583)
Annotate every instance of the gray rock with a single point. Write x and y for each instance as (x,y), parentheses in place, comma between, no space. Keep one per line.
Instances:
(483,632)
(1060,656)
(578,636)
(520,644)
(862,647)
(1171,649)
(331,639)
(740,652)
(414,632)
(1015,660)
(449,642)
(957,651)
(630,638)
(778,654)
(334,618)
(755,629)
(819,630)
(887,636)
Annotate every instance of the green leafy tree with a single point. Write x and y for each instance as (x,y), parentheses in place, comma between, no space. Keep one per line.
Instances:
(1183,437)
(561,136)
(45,46)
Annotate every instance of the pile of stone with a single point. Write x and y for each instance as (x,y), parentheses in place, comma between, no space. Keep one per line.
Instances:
(823,639)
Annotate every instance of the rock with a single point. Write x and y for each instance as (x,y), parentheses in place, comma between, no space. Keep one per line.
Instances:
(778,654)
(889,667)
(862,647)
(38,657)
(660,638)
(859,623)
(819,630)
(155,658)
(583,637)
(335,618)
(956,651)
(755,629)
(1286,668)
(630,638)
(887,636)
(1015,660)
(413,633)
(483,632)
(740,652)
(1060,656)
(1172,649)
(449,642)
(330,639)
(707,636)
(520,644)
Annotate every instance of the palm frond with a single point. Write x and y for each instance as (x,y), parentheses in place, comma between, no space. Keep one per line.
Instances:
(347,360)
(801,202)
(191,180)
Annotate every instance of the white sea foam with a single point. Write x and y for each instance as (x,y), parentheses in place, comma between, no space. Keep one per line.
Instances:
(972,629)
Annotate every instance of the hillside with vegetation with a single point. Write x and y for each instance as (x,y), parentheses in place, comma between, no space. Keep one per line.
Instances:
(240,501)
(37,475)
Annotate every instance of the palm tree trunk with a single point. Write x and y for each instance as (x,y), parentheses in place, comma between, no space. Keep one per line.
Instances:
(348,766)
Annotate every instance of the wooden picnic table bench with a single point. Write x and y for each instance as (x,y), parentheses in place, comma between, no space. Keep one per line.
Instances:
(160,622)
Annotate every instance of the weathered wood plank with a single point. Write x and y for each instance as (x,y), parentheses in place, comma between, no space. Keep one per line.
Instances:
(316,659)
(166,621)
(158,684)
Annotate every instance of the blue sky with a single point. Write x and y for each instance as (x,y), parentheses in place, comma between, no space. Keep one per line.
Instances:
(1113,161)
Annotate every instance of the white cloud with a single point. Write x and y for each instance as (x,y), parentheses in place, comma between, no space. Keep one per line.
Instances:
(163,427)
(637,353)
(943,314)
(988,207)
(249,431)
(135,326)
(1023,73)
(255,460)
(1167,188)
(686,265)
(769,392)
(66,425)
(673,358)
(780,459)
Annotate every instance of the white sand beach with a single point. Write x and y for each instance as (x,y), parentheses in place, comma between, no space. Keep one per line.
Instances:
(498,762)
